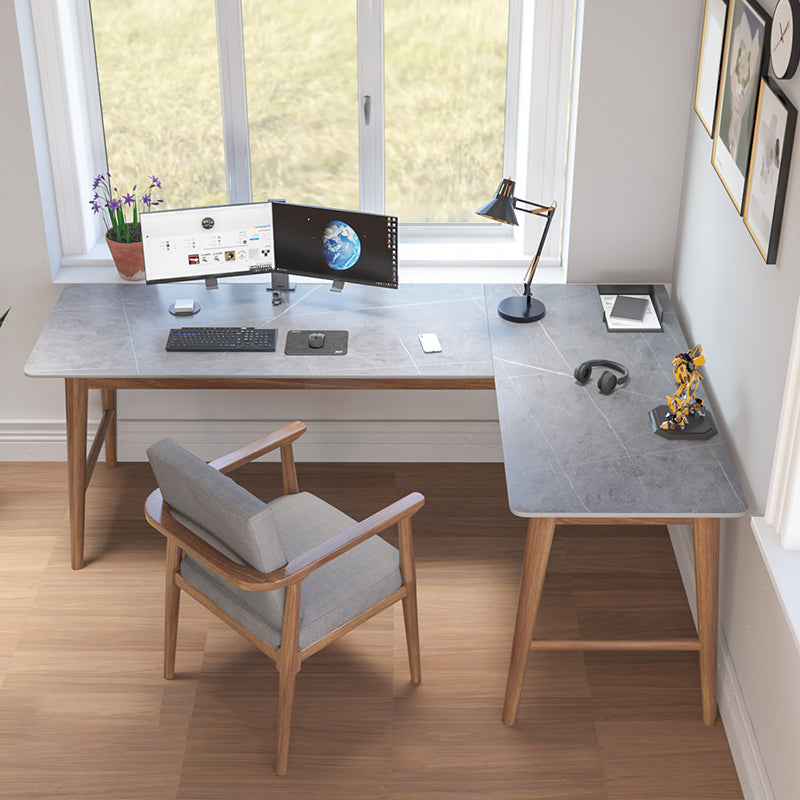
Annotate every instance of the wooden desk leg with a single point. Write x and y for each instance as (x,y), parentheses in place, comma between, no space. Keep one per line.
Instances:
(110,405)
(77,395)
(534,566)
(706,567)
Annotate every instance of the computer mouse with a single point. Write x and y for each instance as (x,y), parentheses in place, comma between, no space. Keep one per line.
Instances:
(316,340)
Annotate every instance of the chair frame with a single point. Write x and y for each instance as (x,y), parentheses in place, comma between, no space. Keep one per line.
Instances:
(288,657)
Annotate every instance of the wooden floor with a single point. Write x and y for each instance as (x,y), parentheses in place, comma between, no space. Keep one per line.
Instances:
(85,713)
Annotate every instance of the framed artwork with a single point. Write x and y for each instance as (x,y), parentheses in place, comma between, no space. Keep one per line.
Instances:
(769,168)
(708,69)
(743,63)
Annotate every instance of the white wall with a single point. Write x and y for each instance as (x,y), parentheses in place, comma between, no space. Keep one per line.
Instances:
(742,311)
(24,266)
(637,61)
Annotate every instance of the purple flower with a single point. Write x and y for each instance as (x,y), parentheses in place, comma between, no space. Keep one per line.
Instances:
(155,181)
(115,204)
(146,199)
(95,206)
(128,198)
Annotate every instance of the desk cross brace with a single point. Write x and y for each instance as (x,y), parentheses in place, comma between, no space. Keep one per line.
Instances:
(534,566)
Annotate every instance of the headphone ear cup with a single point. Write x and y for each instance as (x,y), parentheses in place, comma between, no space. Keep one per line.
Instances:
(582,372)
(607,383)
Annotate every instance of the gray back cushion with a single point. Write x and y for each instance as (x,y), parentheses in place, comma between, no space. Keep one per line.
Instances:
(216,508)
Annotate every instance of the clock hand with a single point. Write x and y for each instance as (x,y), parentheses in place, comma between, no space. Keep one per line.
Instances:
(783,31)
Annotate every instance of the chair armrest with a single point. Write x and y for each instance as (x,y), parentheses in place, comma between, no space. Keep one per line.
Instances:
(298,568)
(250,579)
(242,576)
(272,441)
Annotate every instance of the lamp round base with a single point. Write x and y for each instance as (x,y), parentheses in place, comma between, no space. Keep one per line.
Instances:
(518,309)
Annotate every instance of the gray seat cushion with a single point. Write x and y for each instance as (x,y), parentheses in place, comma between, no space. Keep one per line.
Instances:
(330,596)
(266,536)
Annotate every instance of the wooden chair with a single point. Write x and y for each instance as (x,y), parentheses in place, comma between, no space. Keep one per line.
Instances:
(291,575)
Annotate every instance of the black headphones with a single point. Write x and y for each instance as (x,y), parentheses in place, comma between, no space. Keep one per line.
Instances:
(608,380)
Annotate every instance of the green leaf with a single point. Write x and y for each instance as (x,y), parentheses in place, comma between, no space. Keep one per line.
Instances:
(5,314)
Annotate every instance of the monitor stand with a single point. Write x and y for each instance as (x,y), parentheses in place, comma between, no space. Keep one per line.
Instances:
(279,282)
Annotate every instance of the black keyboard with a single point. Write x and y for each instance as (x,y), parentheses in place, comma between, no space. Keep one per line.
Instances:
(241,339)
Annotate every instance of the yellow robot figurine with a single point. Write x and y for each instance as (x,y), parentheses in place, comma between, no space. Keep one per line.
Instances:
(684,406)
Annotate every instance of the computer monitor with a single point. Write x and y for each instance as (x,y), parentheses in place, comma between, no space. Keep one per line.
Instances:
(207,243)
(342,246)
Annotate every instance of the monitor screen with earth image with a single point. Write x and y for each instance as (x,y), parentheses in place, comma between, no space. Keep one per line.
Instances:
(337,245)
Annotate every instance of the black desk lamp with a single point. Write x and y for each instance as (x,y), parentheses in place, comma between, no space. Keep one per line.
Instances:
(519,308)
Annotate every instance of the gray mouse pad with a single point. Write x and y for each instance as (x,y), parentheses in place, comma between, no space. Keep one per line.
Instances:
(335,344)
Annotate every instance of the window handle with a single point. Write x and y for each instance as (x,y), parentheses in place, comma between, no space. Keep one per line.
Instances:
(367,109)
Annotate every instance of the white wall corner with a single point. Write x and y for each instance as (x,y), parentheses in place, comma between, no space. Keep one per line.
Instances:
(747,758)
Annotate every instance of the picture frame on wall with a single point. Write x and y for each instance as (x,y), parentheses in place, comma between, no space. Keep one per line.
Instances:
(776,119)
(743,63)
(710,64)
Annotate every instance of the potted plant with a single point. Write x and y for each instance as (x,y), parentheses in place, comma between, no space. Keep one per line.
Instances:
(121,217)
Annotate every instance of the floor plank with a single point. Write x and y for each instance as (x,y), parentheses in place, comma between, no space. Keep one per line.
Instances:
(85,713)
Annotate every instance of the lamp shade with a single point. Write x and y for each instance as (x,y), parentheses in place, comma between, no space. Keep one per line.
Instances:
(501,207)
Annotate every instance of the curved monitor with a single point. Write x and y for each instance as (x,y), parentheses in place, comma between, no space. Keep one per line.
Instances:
(213,242)
(333,244)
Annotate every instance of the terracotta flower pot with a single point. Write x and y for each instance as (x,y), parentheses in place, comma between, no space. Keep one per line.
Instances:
(128,258)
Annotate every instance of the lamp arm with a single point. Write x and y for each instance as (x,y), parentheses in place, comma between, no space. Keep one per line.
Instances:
(547,211)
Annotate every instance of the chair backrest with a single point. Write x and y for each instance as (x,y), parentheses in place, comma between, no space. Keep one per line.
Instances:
(216,508)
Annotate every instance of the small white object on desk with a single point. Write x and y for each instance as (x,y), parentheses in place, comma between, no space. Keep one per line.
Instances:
(430,343)
(184,307)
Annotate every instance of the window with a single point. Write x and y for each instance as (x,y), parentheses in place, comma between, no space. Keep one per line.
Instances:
(416,108)
(783,502)
(777,533)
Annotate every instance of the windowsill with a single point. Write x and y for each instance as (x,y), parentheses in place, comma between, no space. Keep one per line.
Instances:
(424,262)
(784,569)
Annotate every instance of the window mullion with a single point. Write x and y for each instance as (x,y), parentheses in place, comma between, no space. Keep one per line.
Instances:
(233,92)
(544,163)
(371,106)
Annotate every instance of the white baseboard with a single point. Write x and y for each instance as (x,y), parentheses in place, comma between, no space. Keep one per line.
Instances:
(744,747)
(329,441)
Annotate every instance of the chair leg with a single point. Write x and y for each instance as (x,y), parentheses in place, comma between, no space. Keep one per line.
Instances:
(286,683)
(171,608)
(410,615)
(288,664)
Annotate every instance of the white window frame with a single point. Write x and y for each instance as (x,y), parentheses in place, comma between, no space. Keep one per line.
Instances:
(777,533)
(535,147)
(782,512)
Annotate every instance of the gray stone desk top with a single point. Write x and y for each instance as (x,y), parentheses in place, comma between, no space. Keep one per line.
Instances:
(570,451)
(119,331)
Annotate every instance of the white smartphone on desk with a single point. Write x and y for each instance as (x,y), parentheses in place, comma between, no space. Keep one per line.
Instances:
(430,343)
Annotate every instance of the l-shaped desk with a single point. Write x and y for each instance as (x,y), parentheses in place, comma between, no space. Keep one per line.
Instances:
(572,455)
